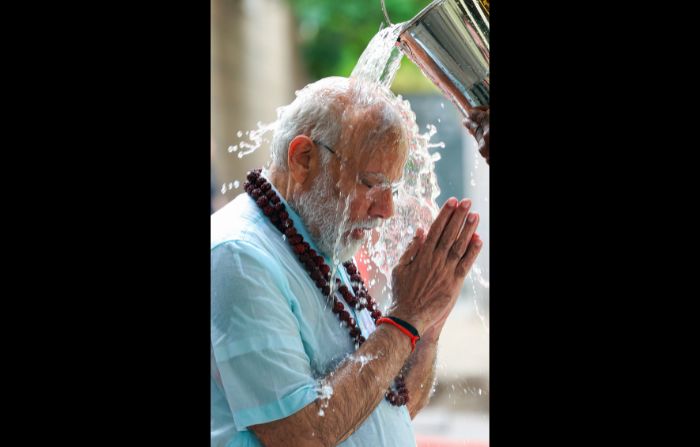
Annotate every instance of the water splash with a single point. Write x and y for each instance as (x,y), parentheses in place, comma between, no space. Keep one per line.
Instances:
(324,392)
(256,138)
(381,59)
(415,205)
(363,359)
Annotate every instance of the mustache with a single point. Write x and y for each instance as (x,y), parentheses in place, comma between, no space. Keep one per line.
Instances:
(366,223)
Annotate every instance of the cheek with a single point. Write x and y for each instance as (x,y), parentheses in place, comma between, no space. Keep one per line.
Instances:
(354,200)
(359,206)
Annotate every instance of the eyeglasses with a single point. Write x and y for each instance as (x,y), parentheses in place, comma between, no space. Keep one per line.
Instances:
(374,182)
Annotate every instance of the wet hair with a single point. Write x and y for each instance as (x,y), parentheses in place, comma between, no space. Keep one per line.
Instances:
(324,109)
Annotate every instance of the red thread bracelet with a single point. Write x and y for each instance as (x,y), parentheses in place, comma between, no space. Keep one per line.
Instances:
(414,338)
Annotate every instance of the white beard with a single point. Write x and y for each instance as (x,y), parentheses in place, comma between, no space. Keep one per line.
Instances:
(320,209)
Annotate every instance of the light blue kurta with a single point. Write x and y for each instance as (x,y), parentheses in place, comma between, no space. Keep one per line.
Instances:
(273,334)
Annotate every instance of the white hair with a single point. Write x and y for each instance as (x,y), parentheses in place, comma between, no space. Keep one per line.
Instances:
(321,108)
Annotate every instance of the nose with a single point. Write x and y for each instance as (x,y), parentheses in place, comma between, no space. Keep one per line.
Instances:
(382,204)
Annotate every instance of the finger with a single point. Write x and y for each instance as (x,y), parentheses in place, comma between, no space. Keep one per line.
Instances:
(413,247)
(474,111)
(484,149)
(452,229)
(478,116)
(466,263)
(439,224)
(459,248)
(470,125)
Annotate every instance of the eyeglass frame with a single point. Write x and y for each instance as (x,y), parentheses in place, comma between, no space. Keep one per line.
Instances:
(382,185)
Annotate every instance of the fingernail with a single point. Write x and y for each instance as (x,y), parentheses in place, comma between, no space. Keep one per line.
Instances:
(478,243)
(452,202)
(465,204)
(471,218)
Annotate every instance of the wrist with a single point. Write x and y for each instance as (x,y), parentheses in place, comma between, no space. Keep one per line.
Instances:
(404,326)
(408,317)
(399,341)
(431,335)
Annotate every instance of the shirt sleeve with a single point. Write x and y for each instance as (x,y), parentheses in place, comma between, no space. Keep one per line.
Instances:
(265,371)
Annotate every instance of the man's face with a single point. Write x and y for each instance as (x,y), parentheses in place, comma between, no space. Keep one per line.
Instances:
(355,193)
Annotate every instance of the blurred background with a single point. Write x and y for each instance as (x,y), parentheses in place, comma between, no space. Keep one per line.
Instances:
(262,51)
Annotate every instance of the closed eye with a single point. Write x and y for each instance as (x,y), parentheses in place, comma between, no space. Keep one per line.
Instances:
(366,183)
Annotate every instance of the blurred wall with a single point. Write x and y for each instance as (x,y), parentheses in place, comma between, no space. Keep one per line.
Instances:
(254,69)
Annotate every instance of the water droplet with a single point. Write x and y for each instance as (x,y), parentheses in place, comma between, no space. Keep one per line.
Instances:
(239,134)
(472,182)
(223,188)
(236,184)
(442,105)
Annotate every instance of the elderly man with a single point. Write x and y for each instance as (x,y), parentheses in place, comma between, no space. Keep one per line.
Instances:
(301,353)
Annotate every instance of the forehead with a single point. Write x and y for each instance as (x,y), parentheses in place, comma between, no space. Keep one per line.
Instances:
(384,164)
(379,161)
(373,143)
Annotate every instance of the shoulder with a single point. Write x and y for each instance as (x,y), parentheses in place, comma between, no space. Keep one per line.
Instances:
(239,220)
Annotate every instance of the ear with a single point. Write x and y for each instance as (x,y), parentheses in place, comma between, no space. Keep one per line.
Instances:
(300,158)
